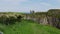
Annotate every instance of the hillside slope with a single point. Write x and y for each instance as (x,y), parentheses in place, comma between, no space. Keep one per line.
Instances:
(28,27)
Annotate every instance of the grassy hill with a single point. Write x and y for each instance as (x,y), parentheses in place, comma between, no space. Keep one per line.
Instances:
(28,27)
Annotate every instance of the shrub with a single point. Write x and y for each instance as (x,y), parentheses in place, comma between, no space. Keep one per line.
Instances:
(10,19)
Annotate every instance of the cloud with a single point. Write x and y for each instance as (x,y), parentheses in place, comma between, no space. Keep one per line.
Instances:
(45,4)
(11,2)
(26,5)
(14,0)
(58,1)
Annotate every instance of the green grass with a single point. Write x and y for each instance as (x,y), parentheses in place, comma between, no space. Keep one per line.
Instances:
(28,27)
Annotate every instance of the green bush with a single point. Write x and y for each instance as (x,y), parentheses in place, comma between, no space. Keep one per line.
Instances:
(10,19)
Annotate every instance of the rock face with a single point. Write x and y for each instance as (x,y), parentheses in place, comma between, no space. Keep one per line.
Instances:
(52,17)
(42,20)
(53,21)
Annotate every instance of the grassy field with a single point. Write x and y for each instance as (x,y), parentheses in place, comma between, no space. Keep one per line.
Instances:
(28,27)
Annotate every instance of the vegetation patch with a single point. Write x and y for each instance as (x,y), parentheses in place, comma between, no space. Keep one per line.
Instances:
(28,27)
(9,18)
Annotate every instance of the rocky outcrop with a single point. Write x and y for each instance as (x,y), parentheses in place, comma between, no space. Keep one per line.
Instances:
(52,17)
(53,21)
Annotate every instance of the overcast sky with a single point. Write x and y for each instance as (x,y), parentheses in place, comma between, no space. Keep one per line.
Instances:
(27,5)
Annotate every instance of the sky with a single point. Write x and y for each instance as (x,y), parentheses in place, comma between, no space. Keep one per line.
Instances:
(27,5)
